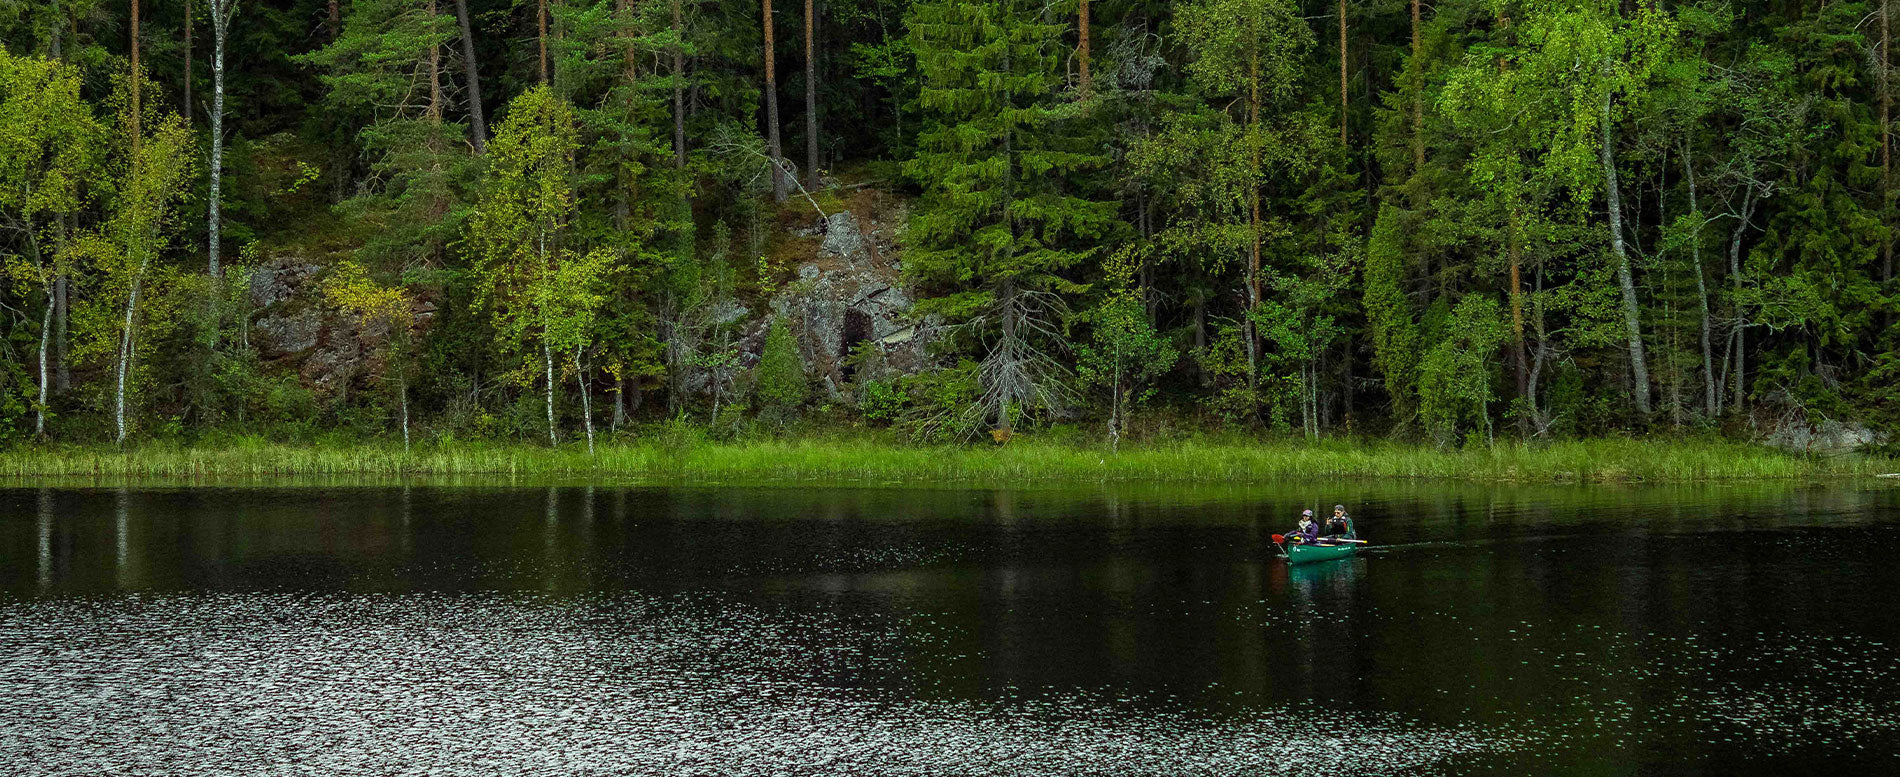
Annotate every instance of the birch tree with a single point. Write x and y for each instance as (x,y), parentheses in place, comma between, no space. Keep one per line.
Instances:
(221,12)
(48,148)
(540,293)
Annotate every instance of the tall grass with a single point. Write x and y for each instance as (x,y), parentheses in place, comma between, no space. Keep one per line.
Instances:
(1023,461)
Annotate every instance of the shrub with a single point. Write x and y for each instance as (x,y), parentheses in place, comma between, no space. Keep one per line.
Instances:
(781,384)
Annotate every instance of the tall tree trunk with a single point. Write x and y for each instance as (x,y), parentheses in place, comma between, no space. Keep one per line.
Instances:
(1253,218)
(587,405)
(221,11)
(771,107)
(126,352)
(402,395)
(1886,149)
(1701,288)
(541,36)
(1082,50)
(46,342)
(547,362)
(1741,315)
(1632,321)
(1342,72)
(336,21)
(620,403)
(547,350)
(62,373)
(477,127)
(136,72)
(1519,357)
(811,104)
(1418,98)
(679,89)
(188,26)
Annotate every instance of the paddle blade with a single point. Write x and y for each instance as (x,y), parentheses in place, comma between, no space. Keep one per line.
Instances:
(1279,538)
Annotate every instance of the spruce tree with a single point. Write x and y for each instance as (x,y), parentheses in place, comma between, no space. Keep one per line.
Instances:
(1002,221)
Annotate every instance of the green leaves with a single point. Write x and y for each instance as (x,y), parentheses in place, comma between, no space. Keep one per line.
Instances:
(1536,106)
(1245,47)
(537,287)
(780,376)
(1456,374)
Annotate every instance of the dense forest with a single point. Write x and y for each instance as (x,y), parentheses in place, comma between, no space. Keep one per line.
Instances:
(549,220)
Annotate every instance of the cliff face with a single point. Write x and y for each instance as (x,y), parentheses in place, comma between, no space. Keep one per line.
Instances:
(846,294)
(850,296)
(293,328)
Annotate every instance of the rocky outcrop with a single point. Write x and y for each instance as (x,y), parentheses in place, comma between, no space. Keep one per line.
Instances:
(278,335)
(1826,437)
(847,296)
(293,328)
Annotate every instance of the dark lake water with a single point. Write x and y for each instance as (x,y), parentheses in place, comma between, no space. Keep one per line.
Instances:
(483,628)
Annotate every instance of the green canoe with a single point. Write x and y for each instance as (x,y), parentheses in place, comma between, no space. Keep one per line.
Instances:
(1306,554)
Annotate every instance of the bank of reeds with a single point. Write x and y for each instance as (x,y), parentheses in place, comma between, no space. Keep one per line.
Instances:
(671,458)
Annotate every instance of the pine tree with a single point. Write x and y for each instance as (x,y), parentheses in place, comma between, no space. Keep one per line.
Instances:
(386,62)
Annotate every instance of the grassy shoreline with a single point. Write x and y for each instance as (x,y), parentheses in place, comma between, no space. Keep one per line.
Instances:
(1024,461)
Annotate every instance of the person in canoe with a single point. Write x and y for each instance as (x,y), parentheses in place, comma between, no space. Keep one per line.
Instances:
(1308,530)
(1339,525)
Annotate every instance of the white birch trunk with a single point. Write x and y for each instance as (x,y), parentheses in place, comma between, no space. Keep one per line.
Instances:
(1632,321)
(46,339)
(125,353)
(587,405)
(221,12)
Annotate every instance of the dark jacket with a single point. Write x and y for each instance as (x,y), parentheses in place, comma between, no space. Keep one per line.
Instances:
(1339,527)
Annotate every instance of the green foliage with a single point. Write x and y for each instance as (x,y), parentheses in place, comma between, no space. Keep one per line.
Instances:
(1001,220)
(518,229)
(779,380)
(386,63)
(1456,375)
(1125,355)
(880,402)
(1317,252)
(1389,318)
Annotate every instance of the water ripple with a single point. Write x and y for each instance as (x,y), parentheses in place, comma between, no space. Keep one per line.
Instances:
(259,683)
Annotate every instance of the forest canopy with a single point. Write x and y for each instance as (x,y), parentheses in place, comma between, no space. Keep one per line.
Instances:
(546,220)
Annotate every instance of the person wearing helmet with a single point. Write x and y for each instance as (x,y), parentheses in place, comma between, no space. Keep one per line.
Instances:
(1308,530)
(1339,525)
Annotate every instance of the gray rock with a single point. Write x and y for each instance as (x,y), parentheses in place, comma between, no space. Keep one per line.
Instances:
(279,279)
(284,335)
(834,311)
(843,240)
(1828,436)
